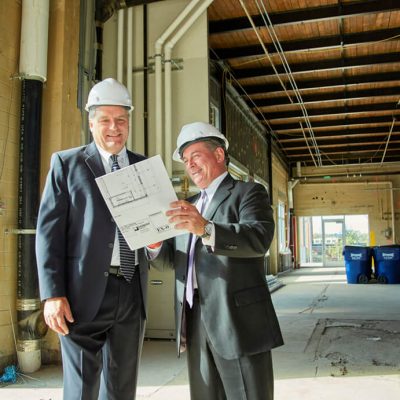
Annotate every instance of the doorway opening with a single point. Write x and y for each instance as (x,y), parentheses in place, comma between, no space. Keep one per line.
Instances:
(322,238)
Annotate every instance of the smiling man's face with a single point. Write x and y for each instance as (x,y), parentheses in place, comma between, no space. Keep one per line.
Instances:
(110,127)
(203,163)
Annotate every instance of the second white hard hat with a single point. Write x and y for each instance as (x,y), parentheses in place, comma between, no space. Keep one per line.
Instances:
(196,132)
(109,92)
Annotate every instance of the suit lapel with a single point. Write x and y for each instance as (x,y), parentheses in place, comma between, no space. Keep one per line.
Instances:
(131,157)
(93,160)
(224,190)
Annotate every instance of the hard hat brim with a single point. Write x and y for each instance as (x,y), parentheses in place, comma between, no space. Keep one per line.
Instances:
(176,156)
(88,107)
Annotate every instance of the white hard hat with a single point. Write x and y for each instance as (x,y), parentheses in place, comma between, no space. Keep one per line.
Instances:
(196,132)
(109,92)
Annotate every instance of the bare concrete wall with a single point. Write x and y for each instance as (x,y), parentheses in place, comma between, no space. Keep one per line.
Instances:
(348,198)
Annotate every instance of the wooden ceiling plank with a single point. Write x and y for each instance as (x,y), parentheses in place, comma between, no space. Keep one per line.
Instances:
(335,11)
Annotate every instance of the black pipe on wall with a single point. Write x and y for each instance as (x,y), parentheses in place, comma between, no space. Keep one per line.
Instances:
(99,50)
(31,325)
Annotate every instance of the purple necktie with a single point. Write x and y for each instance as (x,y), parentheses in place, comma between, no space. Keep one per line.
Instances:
(126,255)
(189,286)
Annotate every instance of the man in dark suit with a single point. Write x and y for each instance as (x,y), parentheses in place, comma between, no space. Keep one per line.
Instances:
(227,322)
(97,309)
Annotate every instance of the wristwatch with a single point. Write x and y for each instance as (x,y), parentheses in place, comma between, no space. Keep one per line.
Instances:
(207,230)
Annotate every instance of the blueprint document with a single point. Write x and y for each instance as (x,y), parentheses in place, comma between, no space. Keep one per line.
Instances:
(138,197)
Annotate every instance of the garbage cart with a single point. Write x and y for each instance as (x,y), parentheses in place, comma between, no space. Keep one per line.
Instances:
(387,263)
(358,262)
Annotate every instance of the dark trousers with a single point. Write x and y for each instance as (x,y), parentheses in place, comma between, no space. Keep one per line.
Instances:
(215,378)
(101,357)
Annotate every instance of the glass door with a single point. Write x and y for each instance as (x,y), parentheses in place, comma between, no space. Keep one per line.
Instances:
(333,241)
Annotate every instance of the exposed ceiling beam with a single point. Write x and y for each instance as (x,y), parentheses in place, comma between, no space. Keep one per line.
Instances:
(334,11)
(348,131)
(377,137)
(317,83)
(345,142)
(320,97)
(320,65)
(331,110)
(326,42)
(336,122)
(347,158)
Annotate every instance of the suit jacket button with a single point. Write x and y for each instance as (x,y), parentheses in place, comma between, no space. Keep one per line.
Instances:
(110,245)
(106,273)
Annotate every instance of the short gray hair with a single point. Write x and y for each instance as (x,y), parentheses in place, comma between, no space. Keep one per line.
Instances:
(92,111)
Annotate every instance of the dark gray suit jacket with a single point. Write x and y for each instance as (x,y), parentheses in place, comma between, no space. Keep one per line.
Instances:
(75,233)
(237,309)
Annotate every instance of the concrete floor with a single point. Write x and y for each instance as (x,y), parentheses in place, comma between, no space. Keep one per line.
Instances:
(341,342)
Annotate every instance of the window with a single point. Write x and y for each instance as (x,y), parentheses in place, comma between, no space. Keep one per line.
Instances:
(281,226)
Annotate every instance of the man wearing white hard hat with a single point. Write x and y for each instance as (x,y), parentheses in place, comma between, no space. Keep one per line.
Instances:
(93,287)
(224,314)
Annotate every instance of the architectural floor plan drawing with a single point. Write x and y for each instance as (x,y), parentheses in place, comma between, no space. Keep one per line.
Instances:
(138,197)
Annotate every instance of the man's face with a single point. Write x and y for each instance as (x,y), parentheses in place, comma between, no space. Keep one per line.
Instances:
(202,164)
(110,128)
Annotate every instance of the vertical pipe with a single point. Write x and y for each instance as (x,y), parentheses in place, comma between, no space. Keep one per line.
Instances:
(120,46)
(168,110)
(393,214)
(158,73)
(33,71)
(145,84)
(168,84)
(129,67)
(28,303)
(99,50)
(223,96)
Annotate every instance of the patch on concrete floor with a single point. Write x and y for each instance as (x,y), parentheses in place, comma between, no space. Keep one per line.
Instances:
(355,347)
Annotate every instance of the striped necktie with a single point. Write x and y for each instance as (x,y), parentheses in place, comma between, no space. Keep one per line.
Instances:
(127,256)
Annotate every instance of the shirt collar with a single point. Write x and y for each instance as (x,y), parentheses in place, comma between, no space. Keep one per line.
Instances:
(213,186)
(106,155)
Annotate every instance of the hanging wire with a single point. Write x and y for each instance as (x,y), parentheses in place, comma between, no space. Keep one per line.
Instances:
(268,24)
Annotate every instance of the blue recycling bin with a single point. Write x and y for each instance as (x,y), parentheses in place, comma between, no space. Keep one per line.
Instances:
(358,262)
(387,263)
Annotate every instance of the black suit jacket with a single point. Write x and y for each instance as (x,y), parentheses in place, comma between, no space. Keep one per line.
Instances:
(75,233)
(237,309)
